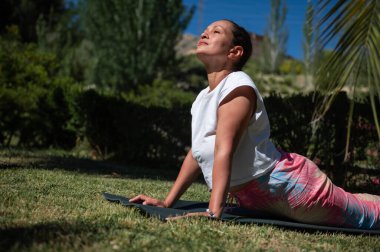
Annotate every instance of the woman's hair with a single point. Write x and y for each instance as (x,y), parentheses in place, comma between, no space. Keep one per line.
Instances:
(243,39)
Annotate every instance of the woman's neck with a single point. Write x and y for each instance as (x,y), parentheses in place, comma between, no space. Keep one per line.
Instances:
(214,78)
(217,69)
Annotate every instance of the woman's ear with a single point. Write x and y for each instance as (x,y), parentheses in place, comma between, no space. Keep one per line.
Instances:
(236,52)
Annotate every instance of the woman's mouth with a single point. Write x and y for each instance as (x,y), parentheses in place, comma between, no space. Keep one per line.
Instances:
(200,43)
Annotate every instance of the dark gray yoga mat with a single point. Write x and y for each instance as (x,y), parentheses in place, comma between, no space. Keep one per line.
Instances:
(235,214)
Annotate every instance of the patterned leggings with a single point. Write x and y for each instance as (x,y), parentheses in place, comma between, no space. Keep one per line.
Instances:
(298,190)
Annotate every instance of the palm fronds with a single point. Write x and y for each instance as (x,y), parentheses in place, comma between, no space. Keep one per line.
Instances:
(355,25)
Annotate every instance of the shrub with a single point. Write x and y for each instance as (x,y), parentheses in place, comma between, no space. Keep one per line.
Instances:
(120,129)
(34,108)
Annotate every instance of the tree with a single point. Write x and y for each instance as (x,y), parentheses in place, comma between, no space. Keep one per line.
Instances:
(25,13)
(65,39)
(54,26)
(134,41)
(275,37)
(354,63)
(311,45)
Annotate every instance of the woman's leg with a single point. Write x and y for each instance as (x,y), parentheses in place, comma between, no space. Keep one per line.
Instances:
(297,189)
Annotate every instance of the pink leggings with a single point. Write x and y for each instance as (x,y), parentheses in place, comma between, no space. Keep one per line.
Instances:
(298,190)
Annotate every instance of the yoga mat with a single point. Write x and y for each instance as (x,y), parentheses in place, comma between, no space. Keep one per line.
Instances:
(234,214)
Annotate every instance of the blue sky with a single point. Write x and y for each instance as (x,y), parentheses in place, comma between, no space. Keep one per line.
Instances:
(252,15)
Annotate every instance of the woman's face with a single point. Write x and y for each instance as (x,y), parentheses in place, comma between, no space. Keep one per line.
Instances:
(216,40)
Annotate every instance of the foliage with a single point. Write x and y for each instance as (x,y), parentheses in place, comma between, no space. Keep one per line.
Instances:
(162,93)
(134,41)
(34,108)
(275,38)
(285,84)
(65,39)
(55,27)
(354,63)
(191,75)
(290,66)
(25,14)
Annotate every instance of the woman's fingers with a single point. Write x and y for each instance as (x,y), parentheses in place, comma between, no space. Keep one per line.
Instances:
(153,202)
(139,198)
(145,200)
(149,201)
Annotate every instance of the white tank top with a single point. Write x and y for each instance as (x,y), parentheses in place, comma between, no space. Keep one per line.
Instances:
(255,154)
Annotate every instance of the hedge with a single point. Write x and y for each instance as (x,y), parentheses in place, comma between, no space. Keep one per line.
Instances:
(161,136)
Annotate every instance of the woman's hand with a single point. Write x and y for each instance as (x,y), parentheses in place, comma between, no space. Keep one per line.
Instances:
(202,214)
(145,200)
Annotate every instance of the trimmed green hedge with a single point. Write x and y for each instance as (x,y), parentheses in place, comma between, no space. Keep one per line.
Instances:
(131,132)
(160,136)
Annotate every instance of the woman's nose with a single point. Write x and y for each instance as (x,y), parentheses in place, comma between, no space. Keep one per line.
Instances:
(204,35)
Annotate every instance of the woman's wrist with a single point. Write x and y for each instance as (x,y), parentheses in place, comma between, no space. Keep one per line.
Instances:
(211,213)
(165,204)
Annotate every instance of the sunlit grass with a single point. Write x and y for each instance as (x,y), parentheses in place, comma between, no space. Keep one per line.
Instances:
(47,208)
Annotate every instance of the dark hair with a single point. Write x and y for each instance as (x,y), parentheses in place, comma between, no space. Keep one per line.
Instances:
(241,38)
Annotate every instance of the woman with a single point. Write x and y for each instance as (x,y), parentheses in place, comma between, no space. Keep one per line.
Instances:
(231,147)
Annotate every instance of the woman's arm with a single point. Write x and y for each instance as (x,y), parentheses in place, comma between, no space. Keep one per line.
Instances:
(188,173)
(234,114)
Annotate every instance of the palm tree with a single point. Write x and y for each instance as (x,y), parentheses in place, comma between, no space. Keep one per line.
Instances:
(355,27)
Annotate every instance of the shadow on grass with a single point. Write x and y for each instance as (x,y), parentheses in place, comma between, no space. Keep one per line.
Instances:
(67,234)
(360,180)
(40,160)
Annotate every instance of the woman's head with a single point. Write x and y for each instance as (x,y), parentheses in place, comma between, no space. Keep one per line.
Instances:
(241,38)
(224,41)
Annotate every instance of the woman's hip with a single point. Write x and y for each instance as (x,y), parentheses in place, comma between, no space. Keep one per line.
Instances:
(295,180)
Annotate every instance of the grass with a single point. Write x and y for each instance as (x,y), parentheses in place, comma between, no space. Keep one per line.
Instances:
(53,202)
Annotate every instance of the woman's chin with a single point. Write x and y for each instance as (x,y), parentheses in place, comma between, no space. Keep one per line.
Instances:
(200,55)
(201,51)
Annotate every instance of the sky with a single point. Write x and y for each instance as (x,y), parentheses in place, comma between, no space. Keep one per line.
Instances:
(253,15)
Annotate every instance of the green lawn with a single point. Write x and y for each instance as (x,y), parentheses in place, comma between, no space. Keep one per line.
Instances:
(53,202)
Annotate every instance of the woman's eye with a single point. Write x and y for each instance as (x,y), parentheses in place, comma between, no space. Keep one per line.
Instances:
(216,31)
